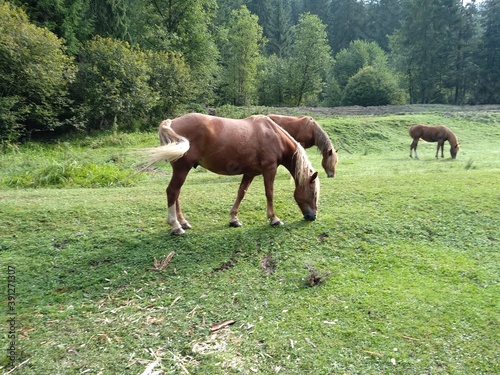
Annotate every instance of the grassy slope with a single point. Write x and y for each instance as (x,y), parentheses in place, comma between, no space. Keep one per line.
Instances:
(412,247)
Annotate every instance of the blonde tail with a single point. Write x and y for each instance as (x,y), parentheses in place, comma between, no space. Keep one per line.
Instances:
(173,146)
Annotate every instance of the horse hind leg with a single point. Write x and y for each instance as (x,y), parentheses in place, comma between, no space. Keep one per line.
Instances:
(173,222)
(413,146)
(440,145)
(242,190)
(180,217)
(175,218)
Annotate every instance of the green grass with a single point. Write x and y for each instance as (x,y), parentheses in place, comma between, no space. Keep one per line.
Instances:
(412,247)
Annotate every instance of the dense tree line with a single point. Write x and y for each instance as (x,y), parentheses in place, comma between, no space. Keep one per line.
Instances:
(104,64)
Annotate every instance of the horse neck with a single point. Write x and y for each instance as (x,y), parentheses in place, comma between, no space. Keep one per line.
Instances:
(452,138)
(296,160)
(300,166)
(322,141)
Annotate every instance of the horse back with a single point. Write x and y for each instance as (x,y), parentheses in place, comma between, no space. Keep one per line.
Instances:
(301,128)
(231,146)
(429,133)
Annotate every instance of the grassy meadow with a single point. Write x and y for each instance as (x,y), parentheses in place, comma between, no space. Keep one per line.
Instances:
(405,254)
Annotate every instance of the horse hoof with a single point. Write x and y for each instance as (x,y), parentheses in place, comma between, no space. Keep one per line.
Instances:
(277,223)
(235,224)
(186,225)
(177,232)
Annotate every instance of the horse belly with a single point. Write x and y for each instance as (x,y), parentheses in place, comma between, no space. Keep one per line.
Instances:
(230,165)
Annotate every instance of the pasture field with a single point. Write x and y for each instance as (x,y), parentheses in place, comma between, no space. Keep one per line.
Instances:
(407,252)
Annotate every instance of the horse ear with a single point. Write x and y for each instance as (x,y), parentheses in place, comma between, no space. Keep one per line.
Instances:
(313,177)
(330,152)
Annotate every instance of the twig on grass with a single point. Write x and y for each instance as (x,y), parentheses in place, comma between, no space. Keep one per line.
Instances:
(410,338)
(160,265)
(379,355)
(16,367)
(220,325)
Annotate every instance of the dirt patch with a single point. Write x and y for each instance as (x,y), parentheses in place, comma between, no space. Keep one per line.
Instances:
(388,109)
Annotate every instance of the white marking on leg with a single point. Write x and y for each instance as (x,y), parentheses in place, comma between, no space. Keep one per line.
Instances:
(172,220)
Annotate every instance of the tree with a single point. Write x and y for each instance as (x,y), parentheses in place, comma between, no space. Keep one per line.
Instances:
(70,20)
(347,23)
(113,85)
(240,55)
(112,18)
(490,54)
(382,19)
(358,55)
(34,76)
(272,80)
(277,28)
(310,60)
(423,48)
(171,78)
(185,27)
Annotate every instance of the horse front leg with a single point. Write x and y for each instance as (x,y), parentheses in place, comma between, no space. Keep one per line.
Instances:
(175,218)
(269,187)
(242,190)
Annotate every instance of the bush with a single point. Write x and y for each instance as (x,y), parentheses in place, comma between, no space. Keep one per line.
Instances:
(34,76)
(371,87)
(112,84)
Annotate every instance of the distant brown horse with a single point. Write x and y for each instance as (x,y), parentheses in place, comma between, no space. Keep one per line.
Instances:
(251,147)
(307,132)
(439,134)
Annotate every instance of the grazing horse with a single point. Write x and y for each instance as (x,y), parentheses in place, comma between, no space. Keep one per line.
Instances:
(438,134)
(307,132)
(252,146)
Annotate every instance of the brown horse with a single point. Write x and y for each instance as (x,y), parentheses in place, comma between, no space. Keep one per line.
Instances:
(251,147)
(307,132)
(439,134)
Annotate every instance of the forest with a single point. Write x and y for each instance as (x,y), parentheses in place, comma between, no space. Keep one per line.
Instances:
(85,65)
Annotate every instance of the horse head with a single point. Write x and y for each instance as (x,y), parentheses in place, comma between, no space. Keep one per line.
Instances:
(454,150)
(329,162)
(306,195)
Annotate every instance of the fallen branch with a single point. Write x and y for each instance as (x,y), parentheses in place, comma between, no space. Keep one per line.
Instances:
(220,325)
(16,367)
(160,265)
(379,355)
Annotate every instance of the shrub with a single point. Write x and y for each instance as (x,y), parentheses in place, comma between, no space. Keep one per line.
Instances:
(371,87)
(113,84)
(34,76)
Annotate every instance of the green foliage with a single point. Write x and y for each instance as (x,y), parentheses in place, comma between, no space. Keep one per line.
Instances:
(113,84)
(358,55)
(371,87)
(422,49)
(185,28)
(71,20)
(34,76)
(489,91)
(310,61)
(171,78)
(272,80)
(277,21)
(240,55)
(11,117)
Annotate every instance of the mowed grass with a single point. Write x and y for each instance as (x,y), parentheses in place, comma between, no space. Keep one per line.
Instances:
(409,251)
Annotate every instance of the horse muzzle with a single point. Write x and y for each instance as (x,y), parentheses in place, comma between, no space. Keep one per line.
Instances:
(310,215)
